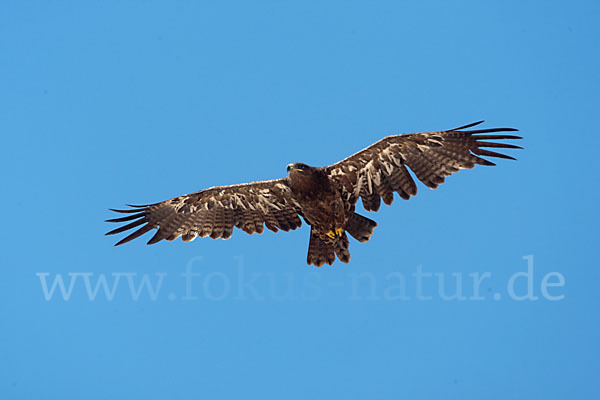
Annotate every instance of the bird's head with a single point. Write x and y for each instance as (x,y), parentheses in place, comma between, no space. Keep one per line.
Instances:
(306,178)
(298,168)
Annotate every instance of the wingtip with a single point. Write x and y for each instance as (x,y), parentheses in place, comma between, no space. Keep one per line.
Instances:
(157,237)
(125,211)
(468,125)
(511,130)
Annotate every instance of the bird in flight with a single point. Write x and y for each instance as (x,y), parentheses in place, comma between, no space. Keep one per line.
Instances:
(324,197)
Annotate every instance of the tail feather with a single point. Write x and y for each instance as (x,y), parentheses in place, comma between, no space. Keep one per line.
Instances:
(319,251)
(323,250)
(341,248)
(360,228)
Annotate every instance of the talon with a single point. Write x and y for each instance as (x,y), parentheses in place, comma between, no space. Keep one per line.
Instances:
(331,234)
(339,231)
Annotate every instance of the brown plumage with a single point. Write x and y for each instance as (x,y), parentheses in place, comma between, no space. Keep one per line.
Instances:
(324,197)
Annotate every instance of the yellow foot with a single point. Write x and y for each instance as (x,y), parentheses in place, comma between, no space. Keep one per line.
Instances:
(338,232)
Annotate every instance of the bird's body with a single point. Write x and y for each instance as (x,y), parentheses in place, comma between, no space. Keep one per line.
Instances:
(324,209)
(324,197)
(320,201)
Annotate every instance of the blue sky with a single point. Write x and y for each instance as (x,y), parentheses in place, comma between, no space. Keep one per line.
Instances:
(134,102)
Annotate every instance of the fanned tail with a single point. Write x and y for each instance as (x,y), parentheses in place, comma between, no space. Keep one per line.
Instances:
(323,250)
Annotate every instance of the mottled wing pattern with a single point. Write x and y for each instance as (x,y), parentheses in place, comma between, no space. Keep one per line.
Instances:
(378,171)
(215,212)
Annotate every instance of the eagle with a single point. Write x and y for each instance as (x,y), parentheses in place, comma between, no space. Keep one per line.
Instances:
(324,197)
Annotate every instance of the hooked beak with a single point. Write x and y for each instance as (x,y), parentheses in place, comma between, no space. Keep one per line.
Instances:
(291,167)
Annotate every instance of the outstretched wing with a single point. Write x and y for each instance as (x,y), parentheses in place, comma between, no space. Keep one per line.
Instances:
(214,212)
(380,170)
